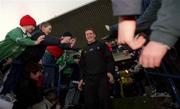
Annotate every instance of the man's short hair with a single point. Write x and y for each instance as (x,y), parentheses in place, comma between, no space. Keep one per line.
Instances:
(67,34)
(90,28)
(44,24)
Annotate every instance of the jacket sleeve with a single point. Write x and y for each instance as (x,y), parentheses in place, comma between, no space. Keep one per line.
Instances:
(109,59)
(126,7)
(50,40)
(19,38)
(145,21)
(166,29)
(82,65)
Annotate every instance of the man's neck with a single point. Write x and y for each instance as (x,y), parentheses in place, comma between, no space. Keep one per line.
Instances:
(91,42)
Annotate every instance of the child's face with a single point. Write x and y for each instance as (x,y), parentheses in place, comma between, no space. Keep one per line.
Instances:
(36,75)
(47,29)
(29,28)
(73,42)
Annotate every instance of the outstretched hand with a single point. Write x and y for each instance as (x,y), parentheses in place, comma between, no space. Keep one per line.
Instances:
(152,54)
(126,31)
(40,39)
(80,85)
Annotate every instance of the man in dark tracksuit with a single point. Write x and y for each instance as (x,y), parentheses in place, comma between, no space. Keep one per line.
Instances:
(96,66)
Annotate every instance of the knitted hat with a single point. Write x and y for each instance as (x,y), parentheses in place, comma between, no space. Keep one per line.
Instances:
(27,20)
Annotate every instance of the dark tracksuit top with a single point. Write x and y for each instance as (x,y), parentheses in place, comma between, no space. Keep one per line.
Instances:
(96,59)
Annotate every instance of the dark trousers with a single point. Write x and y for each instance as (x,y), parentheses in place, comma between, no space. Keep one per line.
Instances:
(49,71)
(15,74)
(96,93)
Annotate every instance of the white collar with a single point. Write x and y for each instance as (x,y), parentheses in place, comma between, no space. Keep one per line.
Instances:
(24,31)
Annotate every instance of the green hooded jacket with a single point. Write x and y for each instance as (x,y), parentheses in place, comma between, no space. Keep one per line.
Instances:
(14,44)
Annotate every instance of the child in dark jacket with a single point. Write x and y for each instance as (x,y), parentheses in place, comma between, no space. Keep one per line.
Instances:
(27,90)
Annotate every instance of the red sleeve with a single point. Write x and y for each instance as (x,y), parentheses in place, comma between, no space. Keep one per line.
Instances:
(55,51)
